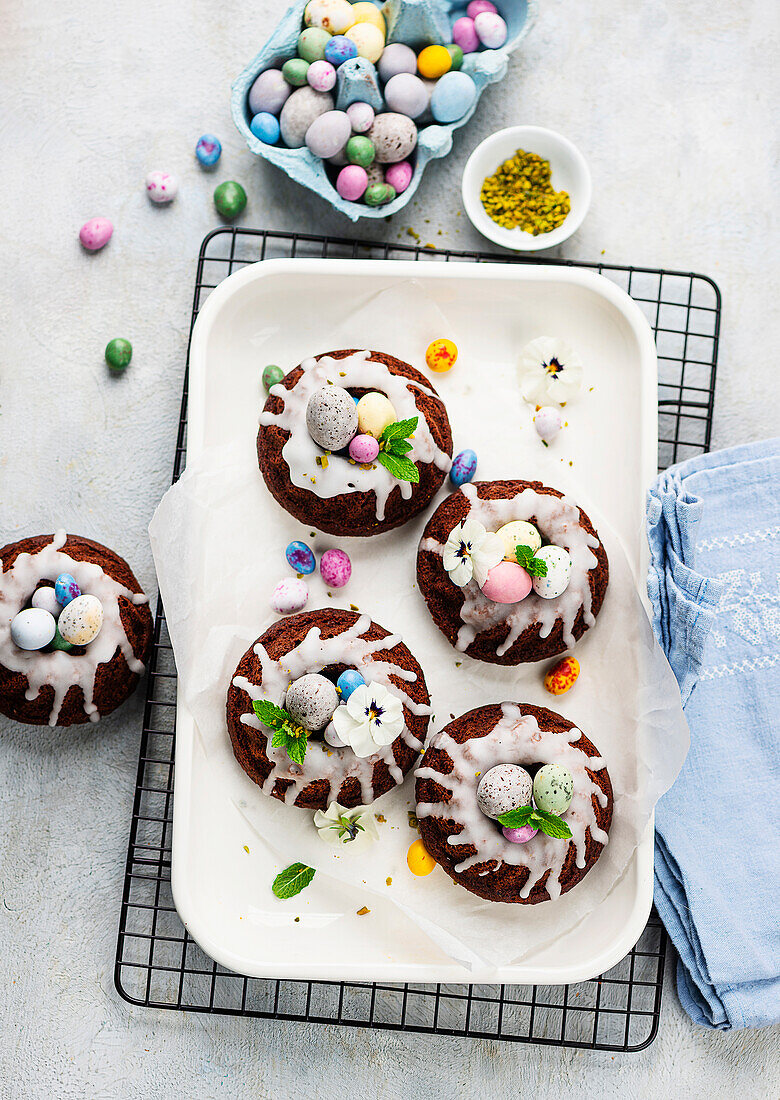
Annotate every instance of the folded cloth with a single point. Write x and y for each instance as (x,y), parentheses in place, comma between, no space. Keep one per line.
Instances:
(714,583)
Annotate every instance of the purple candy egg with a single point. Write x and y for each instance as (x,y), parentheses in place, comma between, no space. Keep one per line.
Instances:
(300,557)
(336,568)
(363,448)
(328,134)
(519,836)
(464,35)
(476,7)
(463,468)
(321,76)
(340,49)
(269,92)
(95,233)
(361,115)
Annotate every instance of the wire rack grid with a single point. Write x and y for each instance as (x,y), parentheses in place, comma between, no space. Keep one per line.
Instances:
(158,965)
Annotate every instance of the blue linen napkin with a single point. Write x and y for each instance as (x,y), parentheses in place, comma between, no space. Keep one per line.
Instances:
(714,583)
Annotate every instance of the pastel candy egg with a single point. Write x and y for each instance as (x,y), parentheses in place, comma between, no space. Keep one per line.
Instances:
(505,787)
(33,628)
(331,417)
(548,422)
(365,12)
(562,676)
(394,137)
(289,596)
(332,738)
(311,701)
(453,96)
(300,557)
(312,43)
(553,789)
(379,194)
(161,187)
(265,126)
(351,182)
(407,94)
(118,354)
(463,468)
(376,174)
(418,859)
(298,113)
(272,375)
(363,448)
(208,150)
(347,682)
(81,620)
(490,29)
(336,568)
(361,115)
(396,58)
(295,71)
(334,16)
(229,199)
(46,598)
(66,589)
(58,642)
(558,572)
(360,150)
(321,76)
(434,61)
(476,7)
(507,583)
(399,176)
(374,413)
(441,355)
(519,533)
(464,34)
(96,233)
(456,55)
(340,49)
(269,92)
(368,39)
(519,836)
(328,134)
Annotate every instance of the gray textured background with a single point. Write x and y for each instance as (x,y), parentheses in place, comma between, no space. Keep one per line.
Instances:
(670,103)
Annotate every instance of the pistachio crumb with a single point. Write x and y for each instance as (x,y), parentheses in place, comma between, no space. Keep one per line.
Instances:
(362,912)
(388,881)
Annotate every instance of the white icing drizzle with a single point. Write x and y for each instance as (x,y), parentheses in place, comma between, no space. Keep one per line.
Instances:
(58,669)
(321,761)
(558,520)
(300,452)
(515,739)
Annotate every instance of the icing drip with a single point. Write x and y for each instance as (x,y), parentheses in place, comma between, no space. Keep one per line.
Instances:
(557,519)
(515,739)
(322,762)
(300,452)
(58,669)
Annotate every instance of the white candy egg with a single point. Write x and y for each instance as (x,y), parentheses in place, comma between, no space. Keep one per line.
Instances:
(80,622)
(47,599)
(332,738)
(504,788)
(558,572)
(290,595)
(33,628)
(311,701)
(548,422)
(331,417)
(518,533)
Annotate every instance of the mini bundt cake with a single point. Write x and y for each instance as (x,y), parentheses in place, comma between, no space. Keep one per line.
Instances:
(489,761)
(317,442)
(511,571)
(75,630)
(353,692)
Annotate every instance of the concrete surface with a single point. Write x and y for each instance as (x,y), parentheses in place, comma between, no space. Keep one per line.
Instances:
(670,102)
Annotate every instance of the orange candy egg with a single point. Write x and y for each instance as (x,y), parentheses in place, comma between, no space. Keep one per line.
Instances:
(562,676)
(441,355)
(418,859)
(434,61)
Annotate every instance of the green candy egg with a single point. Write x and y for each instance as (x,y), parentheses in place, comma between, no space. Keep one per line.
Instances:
(271,375)
(118,354)
(58,642)
(378,194)
(360,150)
(553,789)
(294,71)
(230,199)
(456,53)
(312,43)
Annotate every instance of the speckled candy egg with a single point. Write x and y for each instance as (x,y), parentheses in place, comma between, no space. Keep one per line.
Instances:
(399,176)
(33,628)
(269,92)
(374,413)
(347,682)
(265,126)
(407,94)
(360,150)
(300,557)
(553,789)
(507,583)
(562,676)
(379,194)
(46,598)
(363,449)
(548,422)
(368,39)
(452,97)
(396,58)
(332,738)
(340,49)
(321,76)
(505,787)
(272,375)
(365,12)
(464,34)
(361,115)
(394,136)
(66,589)
(208,150)
(336,568)
(298,113)
(81,620)
(328,134)
(476,7)
(463,468)
(161,187)
(441,355)
(312,43)
(289,596)
(351,183)
(118,354)
(558,572)
(519,533)
(335,16)
(295,71)
(331,417)
(376,174)
(95,234)
(521,835)
(490,29)
(311,701)
(229,199)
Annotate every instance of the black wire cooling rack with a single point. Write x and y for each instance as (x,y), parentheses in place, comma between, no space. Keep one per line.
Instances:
(159,965)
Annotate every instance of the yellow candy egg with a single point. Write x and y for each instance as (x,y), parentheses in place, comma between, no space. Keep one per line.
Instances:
(519,533)
(369,40)
(562,676)
(441,355)
(418,859)
(375,412)
(365,12)
(334,16)
(434,61)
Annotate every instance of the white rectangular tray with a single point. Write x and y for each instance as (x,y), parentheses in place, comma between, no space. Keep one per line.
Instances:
(222,895)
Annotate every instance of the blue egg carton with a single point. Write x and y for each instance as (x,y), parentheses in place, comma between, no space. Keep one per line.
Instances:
(416,23)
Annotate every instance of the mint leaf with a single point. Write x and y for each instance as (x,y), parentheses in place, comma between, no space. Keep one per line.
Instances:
(534,567)
(287,734)
(279,739)
(551,825)
(524,555)
(296,748)
(400,429)
(398,446)
(292,880)
(271,715)
(516,819)
(399,466)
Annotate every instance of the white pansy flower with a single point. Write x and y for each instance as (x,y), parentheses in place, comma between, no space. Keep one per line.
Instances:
(371,718)
(353,829)
(550,372)
(471,551)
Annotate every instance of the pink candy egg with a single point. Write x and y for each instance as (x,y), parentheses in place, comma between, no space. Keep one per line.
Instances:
(289,596)
(464,35)
(507,582)
(351,184)
(490,30)
(336,568)
(519,836)
(476,7)
(399,175)
(363,448)
(321,76)
(95,233)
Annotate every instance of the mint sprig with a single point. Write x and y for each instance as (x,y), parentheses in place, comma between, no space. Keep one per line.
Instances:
(292,880)
(534,567)
(287,734)
(393,448)
(545,822)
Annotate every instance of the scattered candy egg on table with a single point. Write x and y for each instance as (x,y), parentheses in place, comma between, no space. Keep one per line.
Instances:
(335,16)
(298,113)
(503,788)
(548,422)
(295,71)
(300,557)
(434,61)
(406,94)
(379,194)
(365,12)
(558,572)
(519,836)
(340,49)
(336,568)
(312,43)
(81,620)
(453,96)
(351,182)
(269,92)
(562,676)
(490,29)
(360,150)
(33,628)
(331,417)
(118,354)
(456,55)
(289,596)
(58,642)
(418,860)
(464,35)
(46,597)
(399,176)
(507,583)
(230,199)
(361,115)
(208,150)
(476,7)
(332,738)
(95,234)
(311,701)
(272,375)
(464,466)
(553,789)
(161,187)
(328,134)
(368,39)
(321,76)
(66,589)
(519,533)
(396,58)
(394,137)
(265,126)
(347,682)
(441,355)
(363,449)
(374,412)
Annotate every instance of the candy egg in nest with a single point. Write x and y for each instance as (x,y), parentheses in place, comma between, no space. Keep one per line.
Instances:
(311,701)
(505,787)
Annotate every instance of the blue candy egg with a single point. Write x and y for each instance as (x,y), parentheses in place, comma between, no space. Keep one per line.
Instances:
(452,97)
(463,468)
(340,49)
(208,150)
(265,126)
(300,557)
(347,682)
(66,589)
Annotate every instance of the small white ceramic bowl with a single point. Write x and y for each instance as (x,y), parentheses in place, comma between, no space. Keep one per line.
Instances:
(569,173)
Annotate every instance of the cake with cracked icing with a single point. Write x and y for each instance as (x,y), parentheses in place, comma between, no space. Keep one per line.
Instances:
(543,620)
(320,650)
(328,488)
(63,684)
(469,845)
